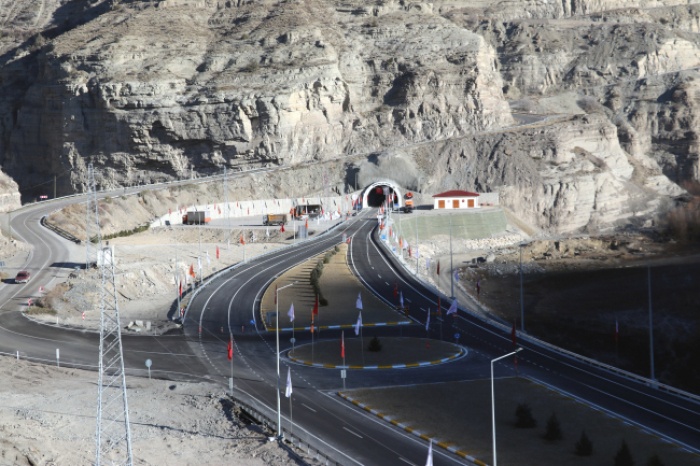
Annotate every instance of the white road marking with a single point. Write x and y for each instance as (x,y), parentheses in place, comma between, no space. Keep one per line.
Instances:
(406,461)
(308,407)
(387,283)
(353,433)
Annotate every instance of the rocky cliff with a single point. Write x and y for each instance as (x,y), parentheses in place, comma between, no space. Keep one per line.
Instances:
(167,89)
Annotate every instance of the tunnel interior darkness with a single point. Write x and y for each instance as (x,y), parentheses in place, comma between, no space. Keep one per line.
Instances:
(375,197)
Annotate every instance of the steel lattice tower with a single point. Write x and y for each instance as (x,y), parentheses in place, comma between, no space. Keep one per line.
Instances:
(227,236)
(92,228)
(113,438)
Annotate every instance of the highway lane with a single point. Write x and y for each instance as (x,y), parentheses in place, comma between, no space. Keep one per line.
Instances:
(322,415)
(659,412)
(318,413)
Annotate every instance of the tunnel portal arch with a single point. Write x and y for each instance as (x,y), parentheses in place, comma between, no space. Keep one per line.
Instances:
(369,198)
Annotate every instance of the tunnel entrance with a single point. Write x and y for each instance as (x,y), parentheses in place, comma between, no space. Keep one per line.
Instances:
(376,196)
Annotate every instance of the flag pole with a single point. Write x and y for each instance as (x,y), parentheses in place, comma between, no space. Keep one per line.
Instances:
(343,340)
(362,343)
(291,421)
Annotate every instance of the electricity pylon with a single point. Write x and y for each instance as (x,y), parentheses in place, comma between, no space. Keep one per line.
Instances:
(113,437)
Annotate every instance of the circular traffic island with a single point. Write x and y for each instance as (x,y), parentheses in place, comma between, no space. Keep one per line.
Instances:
(382,353)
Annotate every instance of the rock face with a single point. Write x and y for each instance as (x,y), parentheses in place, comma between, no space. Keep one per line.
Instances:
(421,92)
(156,93)
(565,177)
(10,197)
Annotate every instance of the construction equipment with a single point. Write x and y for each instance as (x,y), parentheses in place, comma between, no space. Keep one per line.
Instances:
(276,219)
(408,204)
(197,217)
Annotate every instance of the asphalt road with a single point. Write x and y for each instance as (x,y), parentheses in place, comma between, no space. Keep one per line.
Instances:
(227,306)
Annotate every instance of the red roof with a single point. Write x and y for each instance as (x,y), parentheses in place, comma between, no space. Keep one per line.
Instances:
(456,193)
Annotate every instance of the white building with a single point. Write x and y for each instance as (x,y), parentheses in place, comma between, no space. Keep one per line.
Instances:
(456,200)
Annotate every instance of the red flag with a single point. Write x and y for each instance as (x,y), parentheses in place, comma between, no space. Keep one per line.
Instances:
(180,289)
(438,268)
(170,211)
(248,210)
(219,211)
(316,306)
(192,270)
(396,289)
(282,227)
(349,240)
(409,251)
(217,252)
(513,335)
(242,240)
(342,345)
(230,350)
(307,223)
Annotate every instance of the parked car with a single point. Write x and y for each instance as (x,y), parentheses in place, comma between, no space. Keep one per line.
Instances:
(22,277)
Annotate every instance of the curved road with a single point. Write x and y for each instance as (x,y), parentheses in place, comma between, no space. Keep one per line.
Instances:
(353,436)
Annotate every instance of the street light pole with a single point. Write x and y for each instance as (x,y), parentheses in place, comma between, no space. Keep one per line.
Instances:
(452,279)
(277,319)
(522,301)
(493,403)
(651,322)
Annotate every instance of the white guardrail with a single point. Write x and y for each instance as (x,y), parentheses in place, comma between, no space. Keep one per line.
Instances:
(491,320)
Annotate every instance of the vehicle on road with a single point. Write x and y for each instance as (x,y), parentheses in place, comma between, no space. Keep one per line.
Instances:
(308,211)
(199,217)
(276,219)
(22,277)
(408,207)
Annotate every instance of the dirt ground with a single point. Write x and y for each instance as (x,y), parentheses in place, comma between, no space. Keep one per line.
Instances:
(460,413)
(575,291)
(146,274)
(338,285)
(394,351)
(172,423)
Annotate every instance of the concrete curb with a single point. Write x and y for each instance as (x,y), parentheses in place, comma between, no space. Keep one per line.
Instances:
(462,352)
(439,442)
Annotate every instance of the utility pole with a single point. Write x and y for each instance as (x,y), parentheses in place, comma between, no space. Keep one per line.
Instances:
(113,436)
(651,322)
(177,275)
(522,300)
(226,212)
(54,186)
(452,278)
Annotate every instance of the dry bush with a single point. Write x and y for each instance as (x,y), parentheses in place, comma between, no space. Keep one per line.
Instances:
(523,105)
(53,296)
(683,222)
(589,104)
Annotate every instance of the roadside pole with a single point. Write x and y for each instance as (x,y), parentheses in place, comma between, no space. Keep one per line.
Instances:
(651,322)
(452,279)
(522,303)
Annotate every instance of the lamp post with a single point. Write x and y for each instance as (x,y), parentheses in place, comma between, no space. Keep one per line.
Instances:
(277,319)
(651,319)
(452,280)
(522,301)
(493,403)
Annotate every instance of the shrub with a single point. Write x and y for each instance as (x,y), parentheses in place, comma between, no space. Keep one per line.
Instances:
(523,417)
(375,345)
(589,104)
(624,456)
(553,431)
(336,249)
(327,258)
(252,67)
(323,302)
(654,460)
(245,36)
(584,446)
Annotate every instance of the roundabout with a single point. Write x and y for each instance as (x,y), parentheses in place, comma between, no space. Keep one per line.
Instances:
(395,353)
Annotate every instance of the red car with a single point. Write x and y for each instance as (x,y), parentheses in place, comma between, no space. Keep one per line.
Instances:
(22,277)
